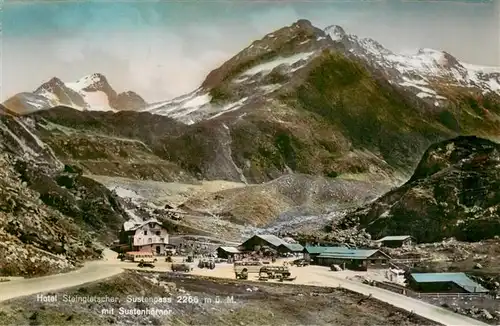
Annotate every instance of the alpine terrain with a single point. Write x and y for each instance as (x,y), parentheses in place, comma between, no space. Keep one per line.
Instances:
(300,126)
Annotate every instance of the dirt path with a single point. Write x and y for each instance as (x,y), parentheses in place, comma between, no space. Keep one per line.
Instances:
(92,271)
(322,276)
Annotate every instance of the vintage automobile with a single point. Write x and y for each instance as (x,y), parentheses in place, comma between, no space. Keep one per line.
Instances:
(181,268)
(206,263)
(275,272)
(300,262)
(243,268)
(141,264)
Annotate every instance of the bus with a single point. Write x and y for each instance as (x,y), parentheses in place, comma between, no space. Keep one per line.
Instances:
(140,256)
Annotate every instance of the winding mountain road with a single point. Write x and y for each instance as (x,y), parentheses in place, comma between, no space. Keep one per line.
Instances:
(311,275)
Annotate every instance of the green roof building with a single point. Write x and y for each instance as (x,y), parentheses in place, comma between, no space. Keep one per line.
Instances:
(444,283)
(350,258)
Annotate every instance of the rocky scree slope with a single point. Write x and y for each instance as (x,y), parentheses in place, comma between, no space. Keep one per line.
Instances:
(51,217)
(454,192)
(283,199)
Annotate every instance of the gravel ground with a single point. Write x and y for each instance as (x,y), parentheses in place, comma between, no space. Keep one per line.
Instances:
(199,300)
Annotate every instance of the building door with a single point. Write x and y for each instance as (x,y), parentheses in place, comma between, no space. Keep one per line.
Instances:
(158,250)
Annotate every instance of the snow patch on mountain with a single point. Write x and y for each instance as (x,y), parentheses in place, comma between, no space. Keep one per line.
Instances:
(97,101)
(181,105)
(269,66)
(86,82)
(230,107)
(125,193)
(335,32)
(88,87)
(51,97)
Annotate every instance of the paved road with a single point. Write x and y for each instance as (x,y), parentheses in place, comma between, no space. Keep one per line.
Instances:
(311,275)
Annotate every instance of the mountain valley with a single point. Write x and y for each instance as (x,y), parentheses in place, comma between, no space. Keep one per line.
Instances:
(297,127)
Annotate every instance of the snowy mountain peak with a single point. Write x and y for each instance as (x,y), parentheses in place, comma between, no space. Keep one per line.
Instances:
(93,82)
(336,32)
(92,92)
(283,57)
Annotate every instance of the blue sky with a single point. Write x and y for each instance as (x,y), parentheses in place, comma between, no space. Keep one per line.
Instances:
(164,49)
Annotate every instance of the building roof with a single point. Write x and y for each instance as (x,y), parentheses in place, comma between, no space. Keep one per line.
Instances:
(295,247)
(395,238)
(272,239)
(347,253)
(231,250)
(320,249)
(137,226)
(460,279)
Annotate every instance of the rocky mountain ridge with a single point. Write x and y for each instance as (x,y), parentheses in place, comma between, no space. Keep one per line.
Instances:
(271,64)
(268,66)
(310,101)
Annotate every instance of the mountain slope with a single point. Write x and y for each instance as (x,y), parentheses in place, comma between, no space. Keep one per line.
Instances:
(92,92)
(51,217)
(290,195)
(305,100)
(267,65)
(453,193)
(325,102)
(122,144)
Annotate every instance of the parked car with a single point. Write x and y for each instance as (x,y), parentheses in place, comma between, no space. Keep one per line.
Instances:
(181,268)
(243,268)
(142,264)
(300,262)
(206,263)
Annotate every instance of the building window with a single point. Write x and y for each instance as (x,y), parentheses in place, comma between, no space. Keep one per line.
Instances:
(158,233)
(150,240)
(373,261)
(162,239)
(145,232)
(384,262)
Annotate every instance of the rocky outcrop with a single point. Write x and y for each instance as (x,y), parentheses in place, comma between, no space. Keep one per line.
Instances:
(453,193)
(51,217)
(128,101)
